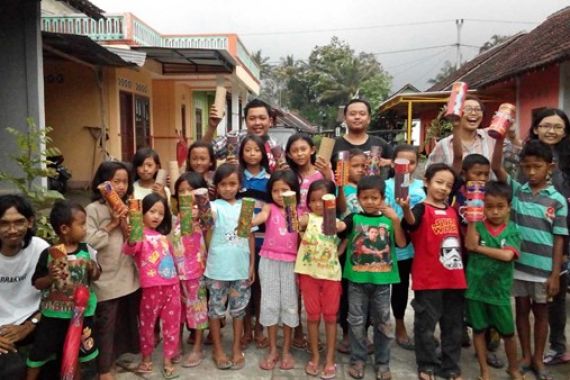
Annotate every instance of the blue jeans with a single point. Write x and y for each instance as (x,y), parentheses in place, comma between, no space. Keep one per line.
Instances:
(363,298)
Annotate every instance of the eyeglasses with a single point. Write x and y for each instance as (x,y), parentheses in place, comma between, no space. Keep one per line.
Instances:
(18,224)
(472,109)
(554,127)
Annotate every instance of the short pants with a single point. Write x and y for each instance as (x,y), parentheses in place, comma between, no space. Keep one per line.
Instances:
(482,315)
(237,292)
(534,290)
(321,297)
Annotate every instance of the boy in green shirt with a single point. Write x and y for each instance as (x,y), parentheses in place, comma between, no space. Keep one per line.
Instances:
(493,245)
(370,268)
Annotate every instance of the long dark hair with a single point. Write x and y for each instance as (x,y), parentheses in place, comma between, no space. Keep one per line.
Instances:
(201,144)
(141,155)
(261,145)
(287,176)
(166,225)
(24,207)
(562,149)
(296,137)
(105,172)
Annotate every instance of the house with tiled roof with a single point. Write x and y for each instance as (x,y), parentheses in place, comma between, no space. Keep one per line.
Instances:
(530,70)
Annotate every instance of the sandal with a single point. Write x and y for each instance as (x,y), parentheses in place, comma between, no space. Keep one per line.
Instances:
(356,370)
(239,364)
(144,367)
(261,342)
(517,375)
(343,347)
(328,372)
(269,362)
(426,375)
(311,369)
(494,361)
(176,359)
(542,374)
(193,360)
(407,344)
(383,374)
(222,364)
(287,363)
(169,372)
(300,345)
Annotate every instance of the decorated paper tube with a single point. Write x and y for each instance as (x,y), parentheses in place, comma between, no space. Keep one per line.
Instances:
(290,202)
(245,217)
(160,177)
(203,202)
(59,261)
(112,197)
(456,100)
(342,168)
(401,177)
(185,209)
(374,166)
(135,220)
(329,216)
(502,121)
(277,152)
(220,101)
(326,148)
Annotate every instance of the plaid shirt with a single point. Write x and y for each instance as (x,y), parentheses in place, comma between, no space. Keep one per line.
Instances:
(443,151)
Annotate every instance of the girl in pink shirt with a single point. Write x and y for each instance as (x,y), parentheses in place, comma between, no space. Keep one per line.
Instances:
(279,296)
(159,282)
(190,258)
(302,159)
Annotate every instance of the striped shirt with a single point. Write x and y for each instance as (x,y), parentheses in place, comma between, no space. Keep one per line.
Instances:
(539,218)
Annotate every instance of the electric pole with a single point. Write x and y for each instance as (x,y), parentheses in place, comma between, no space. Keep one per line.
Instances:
(459,25)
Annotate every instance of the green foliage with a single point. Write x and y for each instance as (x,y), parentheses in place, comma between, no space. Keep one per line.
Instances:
(30,158)
(332,75)
(447,70)
(495,39)
(438,128)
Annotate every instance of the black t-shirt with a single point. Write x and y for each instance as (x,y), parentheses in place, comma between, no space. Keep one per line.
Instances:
(341,144)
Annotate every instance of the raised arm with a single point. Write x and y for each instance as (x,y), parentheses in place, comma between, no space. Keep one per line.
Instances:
(262,216)
(213,122)
(457,150)
(497,162)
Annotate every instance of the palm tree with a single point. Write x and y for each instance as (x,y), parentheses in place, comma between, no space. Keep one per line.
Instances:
(262,62)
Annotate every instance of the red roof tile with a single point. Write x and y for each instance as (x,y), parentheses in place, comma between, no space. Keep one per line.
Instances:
(547,44)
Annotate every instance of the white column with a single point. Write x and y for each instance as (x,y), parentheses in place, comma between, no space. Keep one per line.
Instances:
(235,107)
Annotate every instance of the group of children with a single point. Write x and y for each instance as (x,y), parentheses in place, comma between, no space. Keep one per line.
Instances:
(381,240)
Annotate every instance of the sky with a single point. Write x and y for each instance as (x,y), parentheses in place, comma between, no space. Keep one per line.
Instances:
(410,38)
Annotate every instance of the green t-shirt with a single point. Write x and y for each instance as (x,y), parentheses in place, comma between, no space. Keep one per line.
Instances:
(490,280)
(370,252)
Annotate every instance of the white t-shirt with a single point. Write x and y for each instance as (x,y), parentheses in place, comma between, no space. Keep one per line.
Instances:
(140,192)
(19,299)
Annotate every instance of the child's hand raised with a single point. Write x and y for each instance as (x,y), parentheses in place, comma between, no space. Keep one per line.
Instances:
(159,189)
(471,239)
(404,203)
(389,212)
(324,167)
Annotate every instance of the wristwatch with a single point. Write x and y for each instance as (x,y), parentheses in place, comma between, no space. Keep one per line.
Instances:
(34,321)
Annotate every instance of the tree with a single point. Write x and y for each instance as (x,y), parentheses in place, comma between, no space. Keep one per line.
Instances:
(495,39)
(447,70)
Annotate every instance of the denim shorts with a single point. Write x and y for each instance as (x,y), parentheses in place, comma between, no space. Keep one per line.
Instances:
(235,293)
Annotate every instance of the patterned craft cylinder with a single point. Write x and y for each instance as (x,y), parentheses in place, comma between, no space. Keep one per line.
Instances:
(401,177)
(277,152)
(502,121)
(59,261)
(135,220)
(185,210)
(233,144)
(245,217)
(174,171)
(160,177)
(342,168)
(290,202)
(329,215)
(203,202)
(112,197)
(374,165)
(456,100)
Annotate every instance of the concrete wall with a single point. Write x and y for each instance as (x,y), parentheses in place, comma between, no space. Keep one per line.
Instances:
(21,92)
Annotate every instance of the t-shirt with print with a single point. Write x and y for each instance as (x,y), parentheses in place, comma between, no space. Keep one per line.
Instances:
(539,218)
(417,195)
(342,144)
(58,302)
(351,197)
(228,254)
(19,299)
(370,254)
(255,186)
(189,252)
(318,253)
(304,190)
(154,258)
(437,261)
(140,192)
(490,280)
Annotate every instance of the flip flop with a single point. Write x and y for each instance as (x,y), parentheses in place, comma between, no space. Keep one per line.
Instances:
(494,361)
(193,360)
(426,375)
(144,367)
(542,374)
(383,375)
(356,370)
(236,366)
(269,363)
(300,345)
(343,347)
(245,341)
(223,364)
(262,342)
(311,369)
(169,372)
(328,372)
(287,363)
(518,375)
(407,344)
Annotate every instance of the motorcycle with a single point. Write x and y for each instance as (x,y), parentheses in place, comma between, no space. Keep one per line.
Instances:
(58,180)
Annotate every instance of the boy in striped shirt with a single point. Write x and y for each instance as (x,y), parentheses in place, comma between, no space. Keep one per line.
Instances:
(539,211)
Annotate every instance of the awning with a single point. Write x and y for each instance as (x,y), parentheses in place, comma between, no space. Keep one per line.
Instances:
(79,49)
(190,61)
